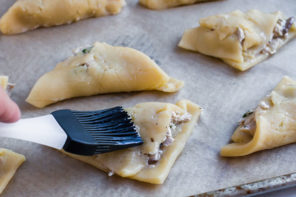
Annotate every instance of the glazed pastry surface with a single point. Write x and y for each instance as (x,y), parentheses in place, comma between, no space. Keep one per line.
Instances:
(164,128)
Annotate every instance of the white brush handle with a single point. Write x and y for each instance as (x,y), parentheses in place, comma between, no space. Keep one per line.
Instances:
(42,130)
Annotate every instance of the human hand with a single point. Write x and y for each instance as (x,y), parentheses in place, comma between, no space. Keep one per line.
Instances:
(9,111)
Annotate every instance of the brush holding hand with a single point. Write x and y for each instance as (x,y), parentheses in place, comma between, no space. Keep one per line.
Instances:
(83,133)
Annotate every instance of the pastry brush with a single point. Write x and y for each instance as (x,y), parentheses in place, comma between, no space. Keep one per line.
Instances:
(83,133)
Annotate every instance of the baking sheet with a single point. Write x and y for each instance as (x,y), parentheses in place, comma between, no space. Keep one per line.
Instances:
(224,94)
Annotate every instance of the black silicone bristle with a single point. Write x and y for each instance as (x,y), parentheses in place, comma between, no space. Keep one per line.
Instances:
(94,132)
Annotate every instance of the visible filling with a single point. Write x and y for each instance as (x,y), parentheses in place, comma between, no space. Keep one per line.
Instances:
(280,34)
(82,50)
(110,173)
(84,66)
(248,121)
(240,35)
(174,127)
(81,69)
(282,27)
(86,50)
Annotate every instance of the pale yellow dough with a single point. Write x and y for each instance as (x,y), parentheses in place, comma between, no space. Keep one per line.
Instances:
(103,69)
(272,124)
(9,163)
(153,120)
(239,39)
(26,15)
(4,82)
(163,4)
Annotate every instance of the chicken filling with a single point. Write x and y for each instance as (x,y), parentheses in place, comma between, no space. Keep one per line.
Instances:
(174,127)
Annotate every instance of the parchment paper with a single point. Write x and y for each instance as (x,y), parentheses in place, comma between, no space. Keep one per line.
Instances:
(224,93)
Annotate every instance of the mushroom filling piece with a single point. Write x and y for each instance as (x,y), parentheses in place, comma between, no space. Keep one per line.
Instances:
(280,33)
(174,127)
(240,35)
(248,121)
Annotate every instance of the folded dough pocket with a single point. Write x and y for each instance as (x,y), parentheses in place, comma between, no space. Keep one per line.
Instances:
(164,129)
(271,124)
(9,163)
(163,4)
(240,39)
(101,69)
(26,15)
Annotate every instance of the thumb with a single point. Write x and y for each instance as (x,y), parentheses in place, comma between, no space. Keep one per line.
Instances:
(9,111)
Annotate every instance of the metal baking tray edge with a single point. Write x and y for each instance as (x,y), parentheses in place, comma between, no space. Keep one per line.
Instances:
(254,188)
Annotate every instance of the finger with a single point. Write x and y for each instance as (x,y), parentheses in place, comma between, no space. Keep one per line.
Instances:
(9,111)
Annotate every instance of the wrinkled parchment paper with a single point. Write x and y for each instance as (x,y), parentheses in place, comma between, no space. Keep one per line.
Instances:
(224,93)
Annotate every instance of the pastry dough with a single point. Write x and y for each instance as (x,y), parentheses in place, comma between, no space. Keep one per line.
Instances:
(164,129)
(101,69)
(3,82)
(26,15)
(240,39)
(163,4)
(272,124)
(9,163)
